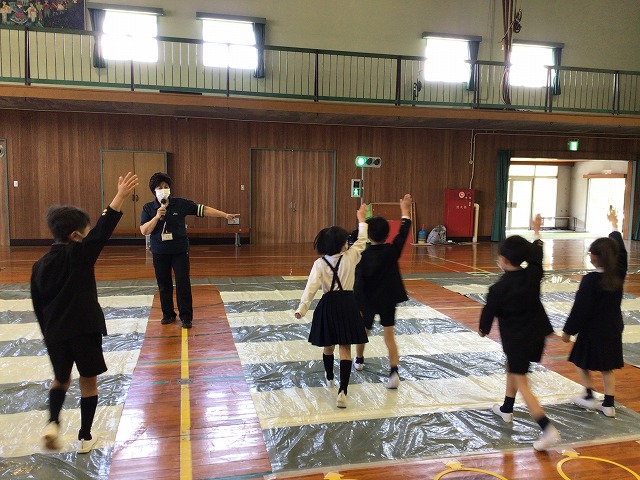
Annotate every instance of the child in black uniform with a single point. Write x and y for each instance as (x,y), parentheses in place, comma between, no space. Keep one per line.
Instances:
(379,286)
(65,300)
(336,318)
(596,318)
(515,301)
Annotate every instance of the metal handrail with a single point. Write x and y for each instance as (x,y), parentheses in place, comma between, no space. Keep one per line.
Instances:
(65,57)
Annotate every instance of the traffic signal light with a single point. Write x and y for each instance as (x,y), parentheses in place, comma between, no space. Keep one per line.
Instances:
(364,161)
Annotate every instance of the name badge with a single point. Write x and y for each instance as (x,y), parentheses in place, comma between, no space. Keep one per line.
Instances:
(167,236)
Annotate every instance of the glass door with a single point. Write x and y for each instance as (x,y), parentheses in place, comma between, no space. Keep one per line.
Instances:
(519,204)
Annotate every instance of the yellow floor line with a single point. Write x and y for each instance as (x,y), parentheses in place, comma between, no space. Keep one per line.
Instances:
(185,411)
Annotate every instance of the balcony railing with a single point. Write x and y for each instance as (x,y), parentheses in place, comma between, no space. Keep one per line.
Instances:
(65,58)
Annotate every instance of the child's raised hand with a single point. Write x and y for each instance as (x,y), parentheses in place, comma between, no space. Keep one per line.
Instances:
(362,213)
(297,315)
(536,223)
(127,185)
(405,205)
(612,216)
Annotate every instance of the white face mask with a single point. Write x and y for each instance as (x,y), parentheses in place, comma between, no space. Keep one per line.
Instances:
(163,193)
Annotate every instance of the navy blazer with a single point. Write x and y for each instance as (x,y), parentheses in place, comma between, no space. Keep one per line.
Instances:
(63,285)
(515,301)
(378,283)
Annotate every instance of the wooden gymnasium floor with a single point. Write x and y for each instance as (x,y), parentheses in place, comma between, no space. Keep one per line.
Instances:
(225,440)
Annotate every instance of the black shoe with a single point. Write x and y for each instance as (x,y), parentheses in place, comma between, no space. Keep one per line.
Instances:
(186,324)
(167,320)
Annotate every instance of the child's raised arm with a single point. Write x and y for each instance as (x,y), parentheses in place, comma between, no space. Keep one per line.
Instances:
(612,216)
(362,213)
(405,205)
(126,186)
(536,223)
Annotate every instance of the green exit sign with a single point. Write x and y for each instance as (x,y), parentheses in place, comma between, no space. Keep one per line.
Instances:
(573,144)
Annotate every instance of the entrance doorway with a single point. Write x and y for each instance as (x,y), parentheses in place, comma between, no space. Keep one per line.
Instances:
(602,193)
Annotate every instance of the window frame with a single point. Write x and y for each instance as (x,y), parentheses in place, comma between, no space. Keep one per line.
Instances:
(556,53)
(258,45)
(99,58)
(473,44)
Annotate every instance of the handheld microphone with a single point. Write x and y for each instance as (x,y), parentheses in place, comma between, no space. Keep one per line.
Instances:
(163,202)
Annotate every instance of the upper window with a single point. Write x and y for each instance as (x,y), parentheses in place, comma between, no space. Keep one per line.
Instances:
(447,60)
(229,43)
(528,65)
(130,36)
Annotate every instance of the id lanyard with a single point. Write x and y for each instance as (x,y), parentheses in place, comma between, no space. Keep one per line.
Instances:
(165,236)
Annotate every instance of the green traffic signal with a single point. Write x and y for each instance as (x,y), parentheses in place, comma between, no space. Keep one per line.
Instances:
(364,161)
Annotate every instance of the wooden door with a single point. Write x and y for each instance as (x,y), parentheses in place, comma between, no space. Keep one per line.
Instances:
(117,163)
(292,195)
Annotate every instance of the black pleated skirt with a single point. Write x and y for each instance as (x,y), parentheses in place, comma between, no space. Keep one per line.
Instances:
(337,321)
(597,353)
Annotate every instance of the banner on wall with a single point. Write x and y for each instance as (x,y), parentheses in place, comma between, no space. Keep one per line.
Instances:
(43,13)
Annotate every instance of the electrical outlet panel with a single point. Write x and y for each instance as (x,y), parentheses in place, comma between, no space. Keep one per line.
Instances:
(235,221)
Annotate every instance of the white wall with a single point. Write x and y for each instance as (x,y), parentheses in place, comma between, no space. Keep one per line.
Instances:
(596,33)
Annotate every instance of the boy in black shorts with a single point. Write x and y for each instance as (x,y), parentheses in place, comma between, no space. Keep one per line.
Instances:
(378,286)
(65,300)
(515,301)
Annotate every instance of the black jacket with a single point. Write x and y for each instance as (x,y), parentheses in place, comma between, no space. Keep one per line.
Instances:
(63,285)
(515,301)
(596,317)
(378,283)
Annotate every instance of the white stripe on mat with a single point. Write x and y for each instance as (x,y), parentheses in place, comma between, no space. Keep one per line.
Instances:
(284,317)
(31,331)
(630,334)
(417,344)
(20,432)
(304,406)
(264,295)
(123,301)
(628,305)
(38,368)
(546,287)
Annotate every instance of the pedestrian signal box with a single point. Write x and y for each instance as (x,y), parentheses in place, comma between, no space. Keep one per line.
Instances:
(356,187)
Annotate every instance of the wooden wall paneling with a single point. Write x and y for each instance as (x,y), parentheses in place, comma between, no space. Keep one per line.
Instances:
(209,164)
(210,159)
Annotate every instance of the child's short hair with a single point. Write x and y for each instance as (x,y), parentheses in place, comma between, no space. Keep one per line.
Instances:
(63,220)
(515,249)
(378,228)
(330,240)
(156,179)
